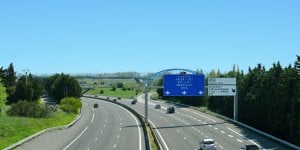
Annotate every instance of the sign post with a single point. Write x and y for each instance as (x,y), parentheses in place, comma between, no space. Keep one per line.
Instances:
(224,87)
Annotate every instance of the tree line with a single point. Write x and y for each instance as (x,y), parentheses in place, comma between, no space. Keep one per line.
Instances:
(269,100)
(24,92)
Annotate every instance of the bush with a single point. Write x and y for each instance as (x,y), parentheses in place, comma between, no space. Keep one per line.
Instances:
(28,109)
(113,88)
(70,104)
(101,91)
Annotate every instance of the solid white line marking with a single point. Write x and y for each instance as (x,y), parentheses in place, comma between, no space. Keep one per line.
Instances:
(137,123)
(230,136)
(253,142)
(76,138)
(222,132)
(234,131)
(92,120)
(163,141)
(239,140)
(205,117)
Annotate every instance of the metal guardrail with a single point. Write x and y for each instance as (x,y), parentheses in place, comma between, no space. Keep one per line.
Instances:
(147,145)
(285,143)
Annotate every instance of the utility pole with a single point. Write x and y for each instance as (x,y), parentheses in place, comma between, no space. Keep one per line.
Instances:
(26,72)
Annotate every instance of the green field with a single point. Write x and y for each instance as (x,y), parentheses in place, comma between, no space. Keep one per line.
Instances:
(108,92)
(13,129)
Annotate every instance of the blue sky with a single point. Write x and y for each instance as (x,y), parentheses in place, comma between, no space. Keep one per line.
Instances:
(96,36)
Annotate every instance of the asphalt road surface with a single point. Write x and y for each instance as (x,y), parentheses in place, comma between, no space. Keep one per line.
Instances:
(184,129)
(108,127)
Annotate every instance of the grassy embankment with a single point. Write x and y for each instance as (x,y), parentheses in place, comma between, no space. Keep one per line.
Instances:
(117,93)
(13,129)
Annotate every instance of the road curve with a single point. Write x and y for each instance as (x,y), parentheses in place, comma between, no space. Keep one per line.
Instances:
(107,127)
(186,127)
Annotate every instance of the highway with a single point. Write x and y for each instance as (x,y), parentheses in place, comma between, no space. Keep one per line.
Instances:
(187,127)
(108,127)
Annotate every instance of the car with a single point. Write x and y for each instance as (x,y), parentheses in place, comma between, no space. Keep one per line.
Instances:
(114,100)
(107,98)
(171,109)
(208,144)
(157,106)
(249,147)
(95,105)
(134,101)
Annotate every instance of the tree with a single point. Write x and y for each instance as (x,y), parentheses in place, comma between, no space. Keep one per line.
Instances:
(297,64)
(3,96)
(30,90)
(9,80)
(64,86)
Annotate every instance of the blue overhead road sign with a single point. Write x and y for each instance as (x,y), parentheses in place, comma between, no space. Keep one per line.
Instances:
(184,85)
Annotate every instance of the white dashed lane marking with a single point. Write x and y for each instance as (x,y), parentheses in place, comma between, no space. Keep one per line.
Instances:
(230,136)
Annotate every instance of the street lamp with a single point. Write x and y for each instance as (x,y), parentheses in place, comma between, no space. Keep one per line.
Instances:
(26,72)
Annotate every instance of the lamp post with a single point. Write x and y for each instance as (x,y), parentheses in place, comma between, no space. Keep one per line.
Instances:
(26,72)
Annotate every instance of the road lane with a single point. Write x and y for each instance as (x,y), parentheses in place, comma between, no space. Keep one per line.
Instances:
(107,127)
(185,128)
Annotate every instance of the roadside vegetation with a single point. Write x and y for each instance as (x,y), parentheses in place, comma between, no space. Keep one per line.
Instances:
(269,100)
(23,113)
(13,129)
(113,92)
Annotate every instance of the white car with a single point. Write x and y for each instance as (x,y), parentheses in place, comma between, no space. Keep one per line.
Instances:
(208,144)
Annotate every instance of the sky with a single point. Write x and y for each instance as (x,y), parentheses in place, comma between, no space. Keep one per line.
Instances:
(96,36)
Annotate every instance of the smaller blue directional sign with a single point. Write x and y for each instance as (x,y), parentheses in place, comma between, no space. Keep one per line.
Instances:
(184,85)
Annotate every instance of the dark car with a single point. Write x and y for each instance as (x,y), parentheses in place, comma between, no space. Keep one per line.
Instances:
(134,101)
(250,147)
(95,105)
(171,109)
(114,100)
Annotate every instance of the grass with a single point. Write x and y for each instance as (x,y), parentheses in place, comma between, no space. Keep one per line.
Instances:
(153,144)
(14,129)
(108,92)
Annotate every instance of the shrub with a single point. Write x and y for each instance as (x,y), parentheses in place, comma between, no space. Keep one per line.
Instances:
(70,104)
(113,88)
(101,91)
(28,109)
